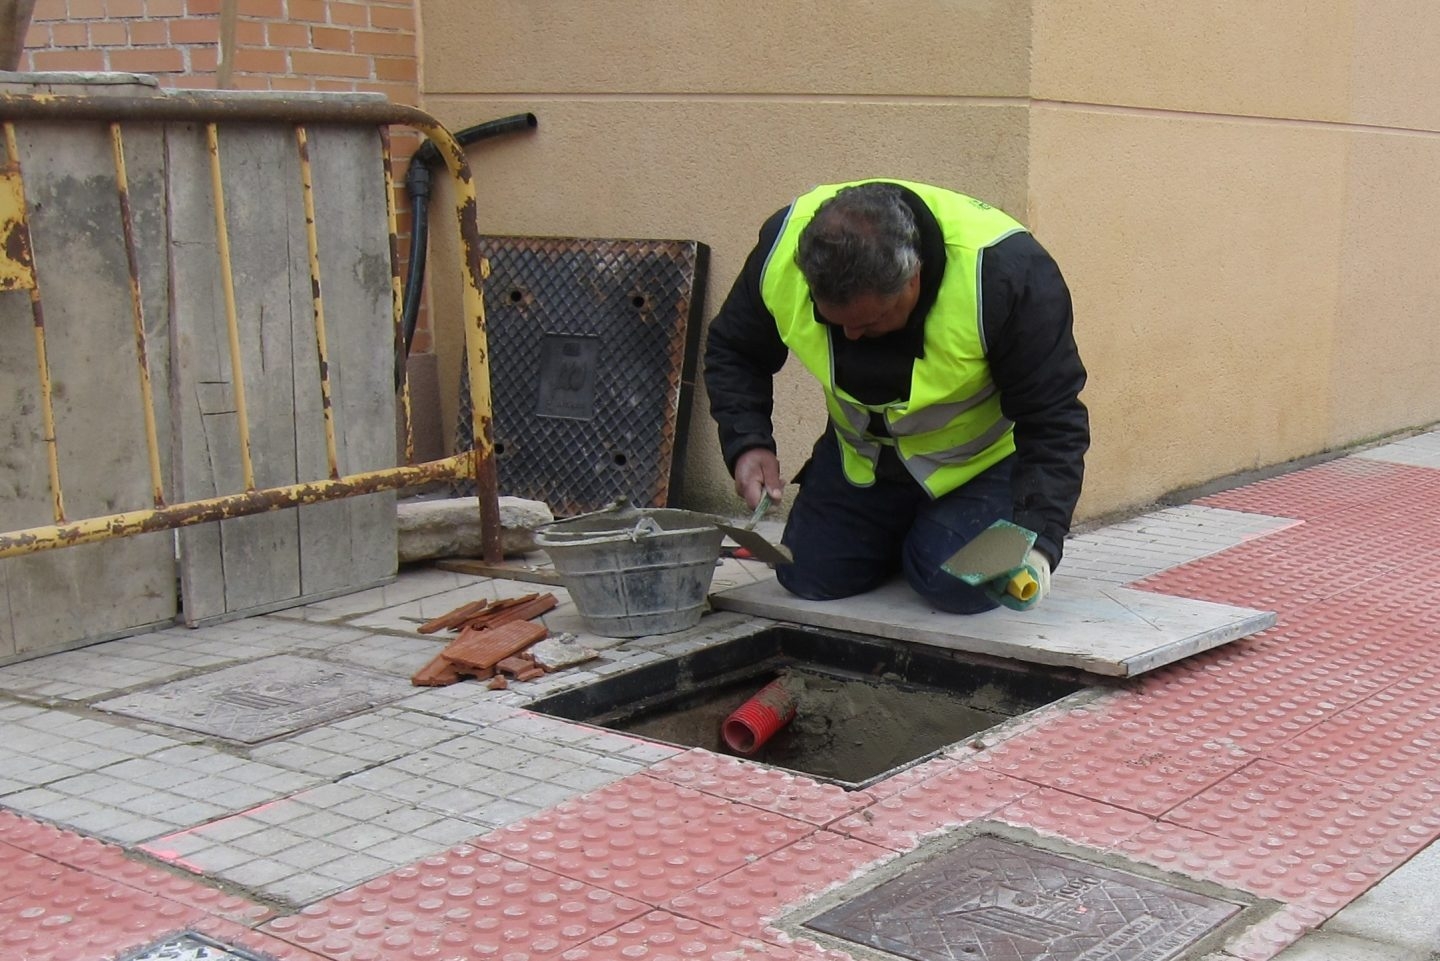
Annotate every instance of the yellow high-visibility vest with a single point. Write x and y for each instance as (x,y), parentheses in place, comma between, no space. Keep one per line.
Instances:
(950,427)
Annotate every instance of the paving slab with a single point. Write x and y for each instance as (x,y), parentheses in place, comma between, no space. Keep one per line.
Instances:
(1095,627)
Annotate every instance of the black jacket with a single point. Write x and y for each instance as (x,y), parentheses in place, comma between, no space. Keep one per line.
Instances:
(1027,324)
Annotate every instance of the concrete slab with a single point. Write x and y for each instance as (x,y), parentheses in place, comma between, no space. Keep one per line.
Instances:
(1095,627)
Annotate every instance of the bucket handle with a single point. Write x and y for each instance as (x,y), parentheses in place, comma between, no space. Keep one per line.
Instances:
(645,525)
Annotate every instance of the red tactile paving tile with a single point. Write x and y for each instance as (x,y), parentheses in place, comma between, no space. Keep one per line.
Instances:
(1391,740)
(102,860)
(762,787)
(660,936)
(257,942)
(21,871)
(746,900)
(1120,758)
(1326,490)
(947,800)
(80,916)
(465,903)
(1273,934)
(1268,803)
(910,777)
(646,838)
(1073,818)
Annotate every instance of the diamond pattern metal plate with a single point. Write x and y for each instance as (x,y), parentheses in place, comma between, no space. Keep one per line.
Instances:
(592,357)
(996,900)
(262,699)
(192,947)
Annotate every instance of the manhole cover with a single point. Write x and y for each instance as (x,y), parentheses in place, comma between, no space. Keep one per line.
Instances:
(995,900)
(262,699)
(193,947)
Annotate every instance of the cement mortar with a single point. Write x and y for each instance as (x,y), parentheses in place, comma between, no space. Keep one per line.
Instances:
(845,729)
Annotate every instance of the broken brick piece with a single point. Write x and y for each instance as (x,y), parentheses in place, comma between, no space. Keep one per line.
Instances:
(531,674)
(516,663)
(453,618)
(536,605)
(498,683)
(438,673)
(486,648)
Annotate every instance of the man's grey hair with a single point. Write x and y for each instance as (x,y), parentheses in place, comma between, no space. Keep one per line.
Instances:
(863,240)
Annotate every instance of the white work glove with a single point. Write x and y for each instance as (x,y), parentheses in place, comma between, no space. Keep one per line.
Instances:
(1023,587)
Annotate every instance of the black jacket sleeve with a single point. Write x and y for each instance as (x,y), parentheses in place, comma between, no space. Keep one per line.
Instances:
(743,352)
(1030,342)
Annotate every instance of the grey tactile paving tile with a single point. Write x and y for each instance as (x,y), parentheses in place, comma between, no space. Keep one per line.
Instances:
(1422,450)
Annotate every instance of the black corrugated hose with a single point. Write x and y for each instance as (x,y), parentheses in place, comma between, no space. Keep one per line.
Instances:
(417,187)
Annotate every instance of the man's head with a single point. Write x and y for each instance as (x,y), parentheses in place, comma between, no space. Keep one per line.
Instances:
(860,255)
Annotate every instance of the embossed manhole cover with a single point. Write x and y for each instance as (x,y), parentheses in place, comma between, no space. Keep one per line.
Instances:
(193,947)
(261,699)
(994,900)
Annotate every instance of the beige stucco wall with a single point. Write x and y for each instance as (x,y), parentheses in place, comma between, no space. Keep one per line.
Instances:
(1241,195)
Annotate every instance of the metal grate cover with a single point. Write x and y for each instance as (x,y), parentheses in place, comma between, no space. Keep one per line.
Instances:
(592,359)
(191,946)
(990,899)
(256,701)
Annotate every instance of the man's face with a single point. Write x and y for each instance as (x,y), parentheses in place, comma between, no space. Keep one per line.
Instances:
(872,315)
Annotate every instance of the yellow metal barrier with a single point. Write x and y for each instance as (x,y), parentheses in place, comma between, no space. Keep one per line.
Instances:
(18,273)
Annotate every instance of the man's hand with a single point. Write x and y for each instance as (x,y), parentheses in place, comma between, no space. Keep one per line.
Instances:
(757,472)
(1023,587)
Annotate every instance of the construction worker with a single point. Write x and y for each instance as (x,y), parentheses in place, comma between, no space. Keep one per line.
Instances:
(941,333)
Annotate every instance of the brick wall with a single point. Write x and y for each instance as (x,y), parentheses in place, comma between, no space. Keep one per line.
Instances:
(331,45)
(341,46)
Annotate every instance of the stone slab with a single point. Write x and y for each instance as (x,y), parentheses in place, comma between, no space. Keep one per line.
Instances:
(1091,626)
(258,700)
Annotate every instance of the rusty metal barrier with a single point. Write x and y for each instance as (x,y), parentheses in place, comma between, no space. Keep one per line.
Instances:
(18,273)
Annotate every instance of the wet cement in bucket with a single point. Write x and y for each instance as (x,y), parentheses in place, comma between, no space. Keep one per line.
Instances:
(846,728)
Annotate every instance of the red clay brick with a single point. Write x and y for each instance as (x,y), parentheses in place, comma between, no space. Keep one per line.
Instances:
(150,60)
(261,61)
(330,64)
(49,10)
(384,43)
(332,39)
(124,9)
(261,9)
(202,8)
(71,34)
(293,35)
(87,10)
(250,33)
(189,30)
(69,60)
(149,32)
(350,14)
(397,69)
(205,59)
(309,10)
(392,18)
(109,33)
(165,8)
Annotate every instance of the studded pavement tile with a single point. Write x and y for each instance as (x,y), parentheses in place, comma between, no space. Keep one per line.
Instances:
(1273,934)
(759,786)
(952,798)
(660,936)
(1322,491)
(1118,758)
(646,838)
(1073,818)
(746,899)
(465,903)
(80,915)
(254,942)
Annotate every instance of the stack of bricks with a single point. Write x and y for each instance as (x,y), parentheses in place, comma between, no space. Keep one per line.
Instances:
(492,642)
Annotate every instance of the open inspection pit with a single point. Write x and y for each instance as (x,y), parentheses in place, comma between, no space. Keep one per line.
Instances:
(866,707)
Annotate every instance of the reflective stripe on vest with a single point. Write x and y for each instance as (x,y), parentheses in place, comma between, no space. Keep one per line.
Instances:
(950,428)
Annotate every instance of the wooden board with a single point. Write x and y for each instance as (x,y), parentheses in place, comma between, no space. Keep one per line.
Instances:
(65,598)
(252,564)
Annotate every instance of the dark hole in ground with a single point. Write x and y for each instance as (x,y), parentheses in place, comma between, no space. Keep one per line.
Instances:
(866,706)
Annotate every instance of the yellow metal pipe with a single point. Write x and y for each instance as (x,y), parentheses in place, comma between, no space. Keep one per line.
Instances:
(137,312)
(42,358)
(130,523)
(397,300)
(477,350)
(232,324)
(312,244)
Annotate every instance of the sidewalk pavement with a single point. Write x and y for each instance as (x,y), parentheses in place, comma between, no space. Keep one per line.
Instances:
(162,790)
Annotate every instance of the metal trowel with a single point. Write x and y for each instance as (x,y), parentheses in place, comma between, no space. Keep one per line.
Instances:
(753,541)
(997,551)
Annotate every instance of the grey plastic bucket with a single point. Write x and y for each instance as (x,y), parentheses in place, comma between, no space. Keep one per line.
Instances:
(635,571)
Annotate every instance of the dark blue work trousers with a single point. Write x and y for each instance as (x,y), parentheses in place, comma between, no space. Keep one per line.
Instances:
(847,540)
